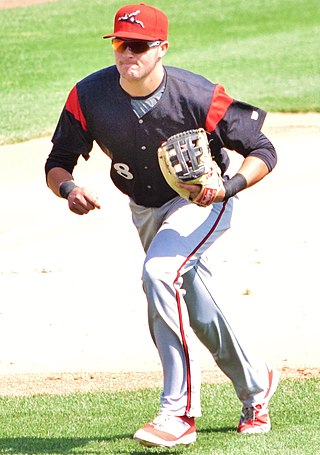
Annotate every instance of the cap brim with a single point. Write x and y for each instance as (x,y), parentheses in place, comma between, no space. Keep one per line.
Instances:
(131,35)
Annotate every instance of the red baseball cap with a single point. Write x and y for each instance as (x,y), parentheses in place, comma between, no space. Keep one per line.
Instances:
(140,22)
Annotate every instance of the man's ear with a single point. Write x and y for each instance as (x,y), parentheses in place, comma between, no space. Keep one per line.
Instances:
(163,48)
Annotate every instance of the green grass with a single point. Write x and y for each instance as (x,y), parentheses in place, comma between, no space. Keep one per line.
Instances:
(103,423)
(264,53)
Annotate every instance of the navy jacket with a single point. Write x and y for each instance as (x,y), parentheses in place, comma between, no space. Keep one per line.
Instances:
(98,109)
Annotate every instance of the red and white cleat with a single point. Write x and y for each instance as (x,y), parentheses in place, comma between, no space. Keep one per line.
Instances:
(167,431)
(255,419)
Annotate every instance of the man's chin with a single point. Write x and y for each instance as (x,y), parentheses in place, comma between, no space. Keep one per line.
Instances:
(130,72)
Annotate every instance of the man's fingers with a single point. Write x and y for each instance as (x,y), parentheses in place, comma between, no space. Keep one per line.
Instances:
(82,203)
(75,209)
(89,203)
(194,189)
(96,203)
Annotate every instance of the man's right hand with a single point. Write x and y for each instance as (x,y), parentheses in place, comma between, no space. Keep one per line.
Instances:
(81,201)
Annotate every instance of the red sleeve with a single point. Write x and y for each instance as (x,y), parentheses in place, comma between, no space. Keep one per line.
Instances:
(218,107)
(72,134)
(73,106)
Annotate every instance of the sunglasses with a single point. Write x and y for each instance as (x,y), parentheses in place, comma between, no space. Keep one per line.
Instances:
(137,47)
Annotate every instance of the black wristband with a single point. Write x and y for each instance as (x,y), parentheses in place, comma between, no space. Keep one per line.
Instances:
(237,183)
(66,187)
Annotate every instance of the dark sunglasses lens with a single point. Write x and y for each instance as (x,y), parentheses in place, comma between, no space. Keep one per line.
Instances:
(138,47)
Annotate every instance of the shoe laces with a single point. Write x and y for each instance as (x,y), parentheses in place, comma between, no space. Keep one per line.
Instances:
(161,420)
(253,412)
(165,421)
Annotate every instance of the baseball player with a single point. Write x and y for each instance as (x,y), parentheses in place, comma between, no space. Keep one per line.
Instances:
(130,109)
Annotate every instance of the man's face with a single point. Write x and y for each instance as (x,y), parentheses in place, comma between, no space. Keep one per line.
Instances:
(137,62)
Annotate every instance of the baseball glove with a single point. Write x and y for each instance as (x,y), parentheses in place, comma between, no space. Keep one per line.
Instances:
(186,157)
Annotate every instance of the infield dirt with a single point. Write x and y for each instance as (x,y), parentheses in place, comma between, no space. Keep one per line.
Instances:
(73,315)
(71,297)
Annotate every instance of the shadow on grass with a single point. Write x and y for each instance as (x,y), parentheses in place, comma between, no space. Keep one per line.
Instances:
(32,446)
(216,430)
(60,446)
(29,445)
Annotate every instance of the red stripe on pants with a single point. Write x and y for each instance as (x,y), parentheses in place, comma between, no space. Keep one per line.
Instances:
(182,332)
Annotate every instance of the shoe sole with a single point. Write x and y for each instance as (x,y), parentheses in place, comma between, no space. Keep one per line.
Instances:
(256,430)
(157,442)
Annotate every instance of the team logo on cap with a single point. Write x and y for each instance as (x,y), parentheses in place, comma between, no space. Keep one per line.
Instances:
(131,17)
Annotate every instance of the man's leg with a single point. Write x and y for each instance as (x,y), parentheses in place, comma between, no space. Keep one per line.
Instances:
(186,232)
(247,371)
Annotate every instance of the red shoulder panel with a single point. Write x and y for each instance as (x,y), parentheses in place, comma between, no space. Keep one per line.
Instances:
(73,106)
(219,106)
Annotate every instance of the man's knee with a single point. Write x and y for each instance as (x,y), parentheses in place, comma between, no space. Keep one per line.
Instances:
(159,268)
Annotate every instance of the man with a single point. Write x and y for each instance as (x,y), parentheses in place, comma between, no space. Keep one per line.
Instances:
(130,109)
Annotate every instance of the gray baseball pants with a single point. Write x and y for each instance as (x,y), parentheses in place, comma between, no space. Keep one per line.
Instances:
(180,292)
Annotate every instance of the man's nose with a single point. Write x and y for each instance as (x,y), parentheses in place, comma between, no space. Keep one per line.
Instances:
(128,50)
